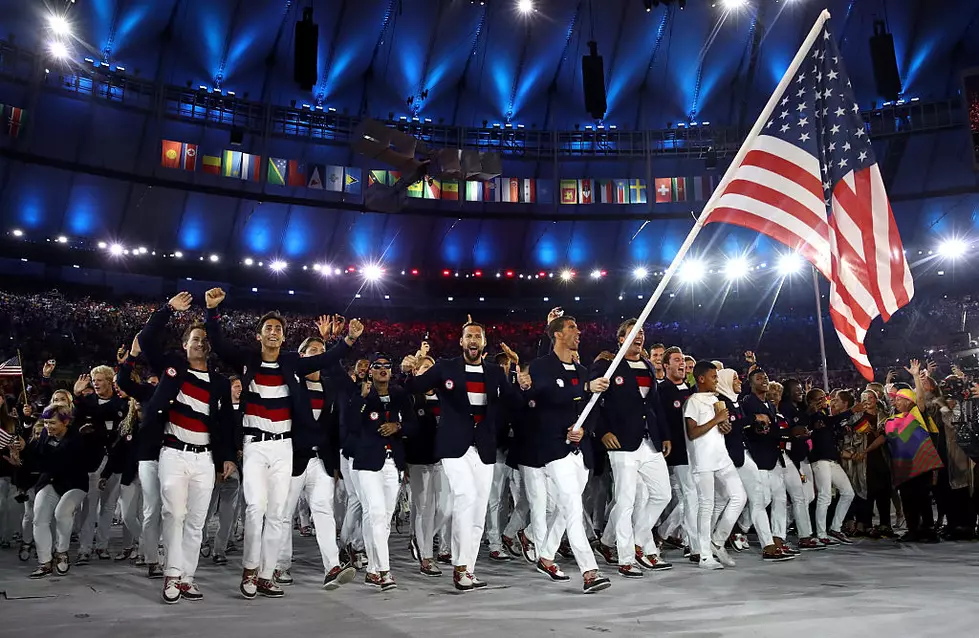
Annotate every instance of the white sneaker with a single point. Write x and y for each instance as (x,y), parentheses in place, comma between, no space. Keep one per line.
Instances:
(171,590)
(710,563)
(722,555)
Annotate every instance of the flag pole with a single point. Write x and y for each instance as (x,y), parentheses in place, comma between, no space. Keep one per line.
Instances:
(701,220)
(23,384)
(819,322)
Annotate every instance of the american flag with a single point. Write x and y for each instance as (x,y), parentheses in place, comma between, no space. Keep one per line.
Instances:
(6,438)
(11,367)
(809,179)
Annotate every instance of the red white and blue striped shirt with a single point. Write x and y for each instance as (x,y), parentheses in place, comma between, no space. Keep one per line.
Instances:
(187,421)
(268,407)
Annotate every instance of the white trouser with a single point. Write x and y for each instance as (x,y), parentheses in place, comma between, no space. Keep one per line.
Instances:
(496,507)
(49,506)
(520,515)
(443,512)
(568,476)
(780,503)
(731,488)
(595,502)
(757,487)
(224,503)
(27,525)
(149,481)
(186,481)
(423,480)
(352,532)
(541,502)
(792,481)
(469,481)
(131,503)
(267,473)
(379,491)
(100,506)
(634,526)
(318,487)
(688,504)
(830,474)
(11,512)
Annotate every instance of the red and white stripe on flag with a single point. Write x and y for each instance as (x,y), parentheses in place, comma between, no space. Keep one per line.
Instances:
(809,180)
(11,367)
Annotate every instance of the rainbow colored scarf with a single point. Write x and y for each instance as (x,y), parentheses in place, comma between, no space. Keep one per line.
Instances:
(912,450)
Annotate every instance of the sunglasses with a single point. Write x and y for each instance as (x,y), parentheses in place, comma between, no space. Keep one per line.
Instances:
(380,366)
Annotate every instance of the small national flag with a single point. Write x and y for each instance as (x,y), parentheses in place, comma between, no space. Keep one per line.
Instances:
(377,177)
(703,187)
(491,190)
(15,121)
(277,171)
(316,175)
(393,177)
(251,167)
(433,188)
(606,191)
(569,191)
(11,367)
(416,190)
(664,190)
(586,194)
(450,190)
(545,191)
(232,164)
(528,191)
(179,155)
(809,179)
(474,192)
(681,189)
(621,191)
(211,164)
(509,189)
(297,173)
(637,191)
(352,183)
(334,179)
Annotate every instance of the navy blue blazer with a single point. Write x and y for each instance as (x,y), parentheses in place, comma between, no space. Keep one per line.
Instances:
(556,405)
(625,413)
(293,369)
(457,431)
(371,450)
(173,369)
(764,446)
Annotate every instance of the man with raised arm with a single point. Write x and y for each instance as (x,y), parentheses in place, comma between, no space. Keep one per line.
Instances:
(273,394)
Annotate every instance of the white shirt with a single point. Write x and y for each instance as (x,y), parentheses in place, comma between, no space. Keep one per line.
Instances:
(707,453)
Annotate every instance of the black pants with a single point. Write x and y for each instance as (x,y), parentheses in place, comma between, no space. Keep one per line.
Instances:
(916,498)
(879,493)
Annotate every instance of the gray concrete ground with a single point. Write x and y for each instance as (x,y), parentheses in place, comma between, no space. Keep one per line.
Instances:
(874,588)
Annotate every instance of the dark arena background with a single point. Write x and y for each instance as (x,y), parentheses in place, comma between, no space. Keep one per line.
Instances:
(416,164)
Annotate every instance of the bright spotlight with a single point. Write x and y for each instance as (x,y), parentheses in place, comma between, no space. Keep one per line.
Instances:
(953,248)
(18,232)
(525,6)
(736,268)
(640,273)
(789,264)
(142,250)
(59,25)
(115,250)
(372,272)
(596,274)
(214,259)
(567,275)
(59,50)
(692,271)
(103,245)
(62,239)
(732,5)
(278,265)
(178,254)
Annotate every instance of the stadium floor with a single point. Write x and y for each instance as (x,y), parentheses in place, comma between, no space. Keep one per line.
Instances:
(874,588)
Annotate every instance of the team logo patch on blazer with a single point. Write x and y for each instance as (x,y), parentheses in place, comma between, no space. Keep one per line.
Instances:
(619,380)
(171,372)
(676,404)
(531,404)
(374,416)
(560,383)
(449,384)
(421,412)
